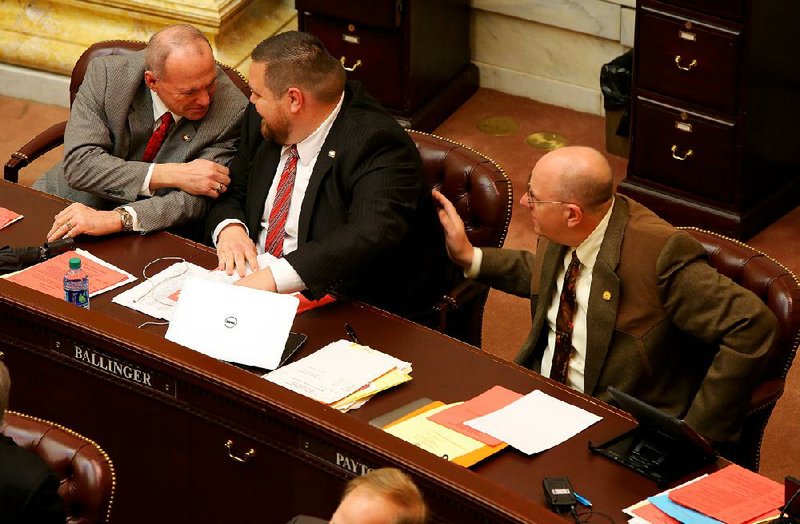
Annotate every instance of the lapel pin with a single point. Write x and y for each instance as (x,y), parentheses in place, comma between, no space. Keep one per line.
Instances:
(186,138)
(332,153)
(606,295)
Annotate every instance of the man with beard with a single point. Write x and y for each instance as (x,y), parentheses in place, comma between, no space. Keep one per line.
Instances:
(148,139)
(328,182)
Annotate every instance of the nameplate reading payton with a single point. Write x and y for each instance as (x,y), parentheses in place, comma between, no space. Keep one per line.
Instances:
(351,464)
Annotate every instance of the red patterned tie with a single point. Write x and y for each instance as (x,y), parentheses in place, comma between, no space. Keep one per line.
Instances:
(276,226)
(565,321)
(157,138)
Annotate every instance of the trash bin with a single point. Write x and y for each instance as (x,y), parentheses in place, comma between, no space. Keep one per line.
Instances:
(615,82)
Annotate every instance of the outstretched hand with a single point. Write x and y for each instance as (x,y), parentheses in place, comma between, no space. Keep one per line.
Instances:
(459,248)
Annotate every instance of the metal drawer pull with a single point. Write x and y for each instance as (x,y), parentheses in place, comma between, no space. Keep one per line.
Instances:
(686,155)
(358,64)
(247,456)
(692,64)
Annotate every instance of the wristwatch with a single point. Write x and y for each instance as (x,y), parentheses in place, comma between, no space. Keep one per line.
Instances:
(126,218)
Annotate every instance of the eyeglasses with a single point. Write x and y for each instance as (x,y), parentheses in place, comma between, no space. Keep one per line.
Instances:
(533,200)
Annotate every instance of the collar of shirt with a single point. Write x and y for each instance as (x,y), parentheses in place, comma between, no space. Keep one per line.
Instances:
(159,109)
(590,247)
(309,147)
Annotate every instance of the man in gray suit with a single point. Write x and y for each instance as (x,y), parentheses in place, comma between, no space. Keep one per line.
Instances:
(148,140)
(644,311)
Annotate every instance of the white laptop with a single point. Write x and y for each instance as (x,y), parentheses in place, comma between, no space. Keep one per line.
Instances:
(233,323)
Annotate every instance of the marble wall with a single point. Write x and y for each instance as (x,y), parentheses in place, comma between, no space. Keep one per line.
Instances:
(548,50)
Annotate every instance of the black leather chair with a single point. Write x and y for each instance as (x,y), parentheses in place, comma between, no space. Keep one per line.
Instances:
(54,136)
(481,192)
(780,290)
(86,472)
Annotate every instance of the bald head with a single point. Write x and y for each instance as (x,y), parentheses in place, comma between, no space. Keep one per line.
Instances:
(581,175)
(175,39)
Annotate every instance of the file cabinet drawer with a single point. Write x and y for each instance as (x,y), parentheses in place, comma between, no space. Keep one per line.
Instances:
(689,152)
(689,61)
(729,9)
(375,56)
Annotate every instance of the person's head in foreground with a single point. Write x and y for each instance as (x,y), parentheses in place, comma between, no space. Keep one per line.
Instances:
(382,496)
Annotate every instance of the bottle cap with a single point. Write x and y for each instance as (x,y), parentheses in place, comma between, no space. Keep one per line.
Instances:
(74,263)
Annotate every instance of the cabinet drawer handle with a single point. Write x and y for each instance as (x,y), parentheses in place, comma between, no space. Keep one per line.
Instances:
(692,64)
(676,156)
(247,456)
(358,64)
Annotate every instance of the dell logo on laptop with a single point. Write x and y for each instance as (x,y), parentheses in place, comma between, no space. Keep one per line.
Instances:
(230,322)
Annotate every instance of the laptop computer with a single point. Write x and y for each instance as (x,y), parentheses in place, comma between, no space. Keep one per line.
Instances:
(233,323)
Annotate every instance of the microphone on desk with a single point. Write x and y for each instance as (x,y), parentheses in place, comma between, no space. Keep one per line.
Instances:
(16,258)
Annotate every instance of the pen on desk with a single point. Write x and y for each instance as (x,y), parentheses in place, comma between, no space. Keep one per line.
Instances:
(351,333)
(583,501)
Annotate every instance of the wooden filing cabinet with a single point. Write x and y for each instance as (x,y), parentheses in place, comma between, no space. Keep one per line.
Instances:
(412,55)
(716,118)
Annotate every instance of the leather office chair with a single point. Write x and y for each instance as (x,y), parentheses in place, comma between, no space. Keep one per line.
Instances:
(84,469)
(482,193)
(780,290)
(54,135)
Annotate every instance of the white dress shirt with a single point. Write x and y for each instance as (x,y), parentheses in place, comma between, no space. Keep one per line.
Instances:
(286,278)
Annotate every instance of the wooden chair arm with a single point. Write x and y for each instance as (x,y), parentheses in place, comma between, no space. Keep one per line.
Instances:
(45,141)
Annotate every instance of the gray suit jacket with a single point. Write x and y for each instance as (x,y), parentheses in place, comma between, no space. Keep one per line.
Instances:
(663,325)
(110,123)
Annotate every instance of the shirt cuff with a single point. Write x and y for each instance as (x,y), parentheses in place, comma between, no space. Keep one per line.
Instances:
(474,269)
(136,226)
(222,225)
(145,189)
(286,278)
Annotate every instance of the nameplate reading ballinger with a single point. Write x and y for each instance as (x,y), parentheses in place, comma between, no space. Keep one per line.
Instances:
(113,365)
(328,453)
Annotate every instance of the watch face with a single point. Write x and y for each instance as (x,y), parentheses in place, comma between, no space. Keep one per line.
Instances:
(127,220)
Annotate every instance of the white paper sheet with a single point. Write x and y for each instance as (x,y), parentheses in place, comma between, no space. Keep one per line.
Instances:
(335,371)
(156,296)
(535,422)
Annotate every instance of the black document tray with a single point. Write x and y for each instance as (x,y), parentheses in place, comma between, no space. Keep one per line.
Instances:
(662,448)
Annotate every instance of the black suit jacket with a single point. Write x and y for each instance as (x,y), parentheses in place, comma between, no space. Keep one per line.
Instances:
(28,488)
(368,228)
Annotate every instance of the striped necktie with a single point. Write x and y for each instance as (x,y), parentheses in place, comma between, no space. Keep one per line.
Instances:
(276,225)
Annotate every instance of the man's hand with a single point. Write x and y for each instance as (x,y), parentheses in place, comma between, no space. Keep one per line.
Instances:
(199,177)
(234,249)
(259,280)
(79,219)
(459,248)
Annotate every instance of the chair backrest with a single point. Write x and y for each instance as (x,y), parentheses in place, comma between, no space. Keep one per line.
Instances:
(125,47)
(780,291)
(478,188)
(86,473)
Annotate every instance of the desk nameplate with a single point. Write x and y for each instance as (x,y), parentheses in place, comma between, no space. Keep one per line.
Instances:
(113,365)
(333,456)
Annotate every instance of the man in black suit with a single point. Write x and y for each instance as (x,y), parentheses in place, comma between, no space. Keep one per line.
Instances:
(28,488)
(354,213)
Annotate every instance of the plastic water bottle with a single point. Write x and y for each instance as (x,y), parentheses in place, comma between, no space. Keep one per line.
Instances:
(76,284)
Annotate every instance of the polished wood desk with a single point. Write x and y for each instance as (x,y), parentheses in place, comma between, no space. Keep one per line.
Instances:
(180,426)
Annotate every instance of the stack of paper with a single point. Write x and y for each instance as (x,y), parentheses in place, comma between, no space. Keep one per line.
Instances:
(343,374)
(733,495)
(467,432)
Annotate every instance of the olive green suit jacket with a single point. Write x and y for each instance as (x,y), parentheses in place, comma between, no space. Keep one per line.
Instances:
(663,325)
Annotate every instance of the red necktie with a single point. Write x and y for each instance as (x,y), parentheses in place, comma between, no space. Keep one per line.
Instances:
(276,226)
(564,322)
(157,138)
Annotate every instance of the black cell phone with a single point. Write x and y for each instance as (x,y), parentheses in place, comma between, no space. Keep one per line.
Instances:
(558,492)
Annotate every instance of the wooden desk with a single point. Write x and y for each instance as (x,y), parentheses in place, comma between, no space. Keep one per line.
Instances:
(165,414)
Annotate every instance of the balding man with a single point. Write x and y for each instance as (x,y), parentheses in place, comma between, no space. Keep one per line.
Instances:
(148,139)
(382,496)
(621,298)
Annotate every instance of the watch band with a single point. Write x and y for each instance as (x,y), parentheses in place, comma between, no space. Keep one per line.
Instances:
(126,219)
